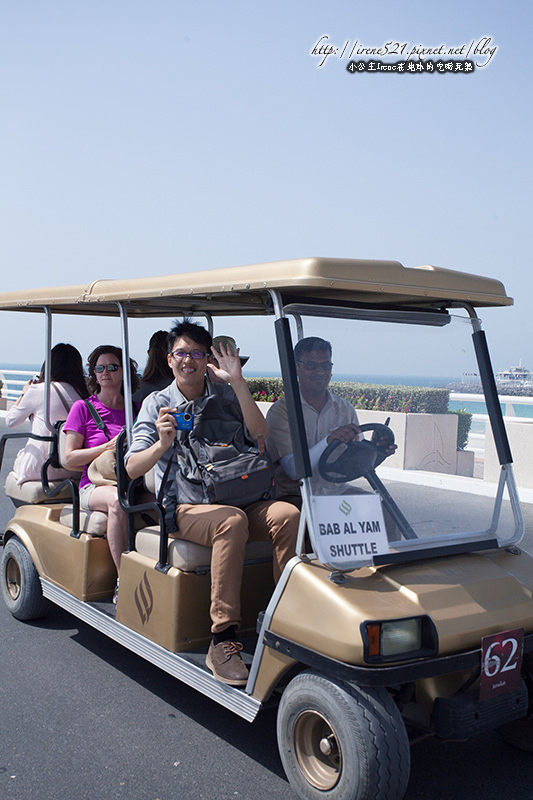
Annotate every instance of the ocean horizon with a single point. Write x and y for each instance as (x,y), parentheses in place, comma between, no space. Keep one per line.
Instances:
(387,380)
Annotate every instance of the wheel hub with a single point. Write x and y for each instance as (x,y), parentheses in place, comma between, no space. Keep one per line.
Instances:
(317,750)
(13,578)
(328,745)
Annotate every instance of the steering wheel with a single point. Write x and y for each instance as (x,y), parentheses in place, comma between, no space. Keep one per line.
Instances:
(356,458)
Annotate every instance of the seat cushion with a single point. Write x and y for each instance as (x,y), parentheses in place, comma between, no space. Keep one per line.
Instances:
(149,481)
(189,556)
(93,522)
(32,491)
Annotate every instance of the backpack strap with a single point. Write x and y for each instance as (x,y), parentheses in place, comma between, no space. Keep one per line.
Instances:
(66,405)
(100,424)
(171,525)
(164,479)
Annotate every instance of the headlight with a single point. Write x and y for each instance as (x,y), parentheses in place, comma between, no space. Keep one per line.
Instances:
(398,639)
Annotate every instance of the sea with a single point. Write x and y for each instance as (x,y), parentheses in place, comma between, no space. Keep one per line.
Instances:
(473,406)
(396,380)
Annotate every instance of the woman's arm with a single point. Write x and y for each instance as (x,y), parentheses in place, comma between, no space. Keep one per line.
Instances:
(77,456)
(25,405)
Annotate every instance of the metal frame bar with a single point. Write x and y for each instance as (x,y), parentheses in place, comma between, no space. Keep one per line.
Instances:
(174,664)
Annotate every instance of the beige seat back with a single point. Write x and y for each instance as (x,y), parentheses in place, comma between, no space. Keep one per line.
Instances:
(149,481)
(93,522)
(61,446)
(31,492)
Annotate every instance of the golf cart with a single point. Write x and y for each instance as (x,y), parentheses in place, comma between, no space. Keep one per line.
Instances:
(405,610)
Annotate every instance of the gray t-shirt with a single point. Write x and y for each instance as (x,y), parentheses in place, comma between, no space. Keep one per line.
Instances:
(144,432)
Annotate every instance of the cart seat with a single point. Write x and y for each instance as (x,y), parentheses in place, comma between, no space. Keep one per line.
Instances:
(189,556)
(31,492)
(93,522)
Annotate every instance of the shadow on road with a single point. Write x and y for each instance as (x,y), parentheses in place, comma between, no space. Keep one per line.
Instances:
(257,739)
(484,767)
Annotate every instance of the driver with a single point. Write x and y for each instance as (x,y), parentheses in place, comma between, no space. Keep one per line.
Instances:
(326,416)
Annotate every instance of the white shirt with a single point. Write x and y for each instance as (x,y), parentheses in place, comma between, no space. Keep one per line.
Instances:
(31,407)
(318,425)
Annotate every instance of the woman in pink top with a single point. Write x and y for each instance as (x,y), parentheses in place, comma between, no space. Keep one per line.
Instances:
(67,385)
(85,440)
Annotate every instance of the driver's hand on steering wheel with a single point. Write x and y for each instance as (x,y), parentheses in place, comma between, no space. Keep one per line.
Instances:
(381,443)
(346,433)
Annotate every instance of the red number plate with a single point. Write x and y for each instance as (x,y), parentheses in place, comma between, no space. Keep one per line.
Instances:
(501,663)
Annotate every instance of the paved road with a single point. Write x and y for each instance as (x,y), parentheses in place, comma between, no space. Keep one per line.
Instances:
(82,718)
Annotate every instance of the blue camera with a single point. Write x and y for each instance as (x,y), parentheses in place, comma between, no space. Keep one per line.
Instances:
(184,420)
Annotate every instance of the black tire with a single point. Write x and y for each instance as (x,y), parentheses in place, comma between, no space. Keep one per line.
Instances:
(340,742)
(20,584)
(518,734)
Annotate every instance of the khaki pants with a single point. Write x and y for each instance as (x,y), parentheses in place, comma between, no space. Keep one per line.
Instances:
(227,529)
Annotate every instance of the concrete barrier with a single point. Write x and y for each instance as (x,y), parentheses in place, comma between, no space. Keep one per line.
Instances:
(425,441)
(520,434)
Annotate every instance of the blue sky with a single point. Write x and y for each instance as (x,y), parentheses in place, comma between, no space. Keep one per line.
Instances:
(156,137)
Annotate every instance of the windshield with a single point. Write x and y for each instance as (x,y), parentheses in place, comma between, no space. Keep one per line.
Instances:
(416,482)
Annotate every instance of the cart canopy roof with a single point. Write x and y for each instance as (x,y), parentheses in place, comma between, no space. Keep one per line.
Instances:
(246,289)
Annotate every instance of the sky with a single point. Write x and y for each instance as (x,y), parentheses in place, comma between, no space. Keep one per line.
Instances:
(158,137)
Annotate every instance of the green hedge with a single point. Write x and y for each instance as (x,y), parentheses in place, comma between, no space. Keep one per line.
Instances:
(415,399)
(265,389)
(367,395)
(393,398)
(464,421)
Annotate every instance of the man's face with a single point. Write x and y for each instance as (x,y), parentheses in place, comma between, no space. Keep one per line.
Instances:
(314,372)
(187,367)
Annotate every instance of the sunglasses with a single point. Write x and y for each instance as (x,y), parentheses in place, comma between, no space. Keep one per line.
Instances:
(106,367)
(196,354)
(314,366)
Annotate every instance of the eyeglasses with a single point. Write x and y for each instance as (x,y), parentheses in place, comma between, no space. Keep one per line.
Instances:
(313,366)
(196,354)
(106,367)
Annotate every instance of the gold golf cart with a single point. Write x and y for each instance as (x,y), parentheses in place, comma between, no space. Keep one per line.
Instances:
(371,636)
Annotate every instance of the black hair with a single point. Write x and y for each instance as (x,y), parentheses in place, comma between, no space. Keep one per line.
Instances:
(66,366)
(193,331)
(309,345)
(157,366)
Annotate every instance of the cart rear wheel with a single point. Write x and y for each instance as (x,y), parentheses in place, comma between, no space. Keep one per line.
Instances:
(20,584)
(339,742)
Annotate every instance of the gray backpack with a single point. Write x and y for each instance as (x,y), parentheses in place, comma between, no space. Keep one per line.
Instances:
(217,462)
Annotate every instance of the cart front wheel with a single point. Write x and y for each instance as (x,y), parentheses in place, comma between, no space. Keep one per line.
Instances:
(341,742)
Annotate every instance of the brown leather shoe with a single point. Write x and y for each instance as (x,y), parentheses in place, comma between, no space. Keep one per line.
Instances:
(225,662)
